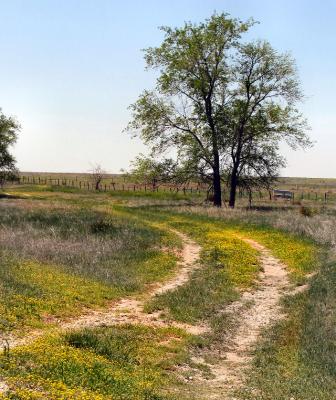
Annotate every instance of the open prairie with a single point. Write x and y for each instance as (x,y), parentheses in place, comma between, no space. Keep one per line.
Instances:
(123,295)
(183,260)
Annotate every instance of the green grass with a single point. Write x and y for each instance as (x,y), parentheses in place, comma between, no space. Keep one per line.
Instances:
(301,255)
(124,362)
(33,293)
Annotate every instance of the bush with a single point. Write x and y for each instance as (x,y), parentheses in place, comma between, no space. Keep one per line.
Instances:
(306,211)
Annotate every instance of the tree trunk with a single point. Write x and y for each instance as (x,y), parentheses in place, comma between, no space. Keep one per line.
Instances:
(233,187)
(250,199)
(216,179)
(217,190)
(217,182)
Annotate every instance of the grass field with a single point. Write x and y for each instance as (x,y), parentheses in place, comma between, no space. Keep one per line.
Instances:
(48,245)
(63,252)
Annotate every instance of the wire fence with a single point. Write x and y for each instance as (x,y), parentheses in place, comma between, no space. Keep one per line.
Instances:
(111,186)
(318,196)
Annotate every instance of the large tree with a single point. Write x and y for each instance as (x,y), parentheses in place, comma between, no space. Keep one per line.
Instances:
(191,92)
(9,129)
(222,105)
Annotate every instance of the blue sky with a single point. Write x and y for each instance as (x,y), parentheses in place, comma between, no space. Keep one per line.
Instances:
(70,68)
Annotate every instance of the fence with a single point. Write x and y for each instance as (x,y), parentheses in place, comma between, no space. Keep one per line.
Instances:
(193,189)
(113,186)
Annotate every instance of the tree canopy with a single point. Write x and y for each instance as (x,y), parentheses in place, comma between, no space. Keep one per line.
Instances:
(9,129)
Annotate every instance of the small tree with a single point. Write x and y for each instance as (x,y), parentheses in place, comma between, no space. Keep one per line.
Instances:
(149,171)
(9,129)
(97,175)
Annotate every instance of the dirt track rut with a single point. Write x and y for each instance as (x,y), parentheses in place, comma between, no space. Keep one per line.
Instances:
(255,310)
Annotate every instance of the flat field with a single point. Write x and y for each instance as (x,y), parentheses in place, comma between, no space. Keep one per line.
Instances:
(132,295)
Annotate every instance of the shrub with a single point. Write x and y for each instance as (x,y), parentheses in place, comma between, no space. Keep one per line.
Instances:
(306,211)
